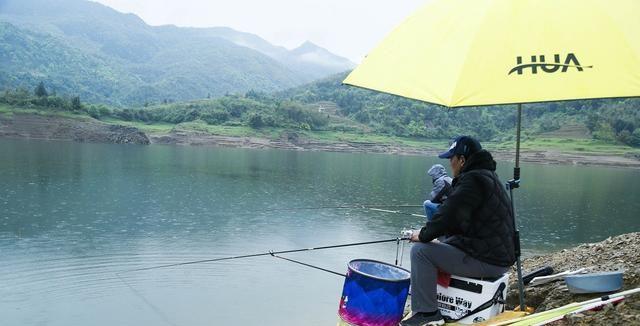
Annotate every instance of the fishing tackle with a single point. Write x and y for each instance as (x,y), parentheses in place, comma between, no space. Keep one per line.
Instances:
(269,253)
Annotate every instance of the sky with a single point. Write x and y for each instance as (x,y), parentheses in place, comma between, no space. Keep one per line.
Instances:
(350,28)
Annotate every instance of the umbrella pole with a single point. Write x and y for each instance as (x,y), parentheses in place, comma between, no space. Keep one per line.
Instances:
(512,184)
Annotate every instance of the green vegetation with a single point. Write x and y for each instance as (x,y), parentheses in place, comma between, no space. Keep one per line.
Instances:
(175,68)
(608,120)
(584,146)
(104,56)
(327,111)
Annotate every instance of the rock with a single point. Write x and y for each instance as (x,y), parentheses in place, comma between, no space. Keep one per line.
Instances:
(80,129)
(615,253)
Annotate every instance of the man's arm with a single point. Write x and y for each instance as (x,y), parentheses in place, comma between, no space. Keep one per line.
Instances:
(456,211)
(444,192)
(438,185)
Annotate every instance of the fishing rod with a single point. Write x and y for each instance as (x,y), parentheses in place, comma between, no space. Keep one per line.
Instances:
(355,207)
(269,253)
(348,206)
(396,212)
(563,310)
(165,319)
(406,235)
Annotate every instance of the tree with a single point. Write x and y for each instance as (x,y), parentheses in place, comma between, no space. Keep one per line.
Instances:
(94,112)
(104,111)
(75,104)
(255,121)
(635,138)
(41,91)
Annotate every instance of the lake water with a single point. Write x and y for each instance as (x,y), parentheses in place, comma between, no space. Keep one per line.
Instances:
(73,215)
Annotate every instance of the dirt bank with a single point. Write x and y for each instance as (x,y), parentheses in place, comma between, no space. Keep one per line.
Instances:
(295,141)
(616,253)
(32,126)
(85,129)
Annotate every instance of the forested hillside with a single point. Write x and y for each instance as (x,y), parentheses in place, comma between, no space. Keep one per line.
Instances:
(84,48)
(328,105)
(614,120)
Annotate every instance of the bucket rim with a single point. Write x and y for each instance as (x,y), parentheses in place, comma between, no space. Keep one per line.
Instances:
(377,277)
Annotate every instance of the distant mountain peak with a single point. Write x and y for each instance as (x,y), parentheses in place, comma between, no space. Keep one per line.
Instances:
(311,53)
(309,46)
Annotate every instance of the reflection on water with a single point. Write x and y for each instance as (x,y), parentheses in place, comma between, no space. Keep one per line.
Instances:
(73,215)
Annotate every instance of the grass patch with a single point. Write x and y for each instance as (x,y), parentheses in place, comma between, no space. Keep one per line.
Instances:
(11,111)
(152,128)
(339,136)
(220,130)
(6,112)
(568,145)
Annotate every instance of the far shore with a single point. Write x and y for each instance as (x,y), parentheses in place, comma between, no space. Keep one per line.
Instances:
(85,129)
(299,143)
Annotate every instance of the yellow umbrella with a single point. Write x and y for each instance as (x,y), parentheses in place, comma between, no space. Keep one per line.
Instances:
(485,52)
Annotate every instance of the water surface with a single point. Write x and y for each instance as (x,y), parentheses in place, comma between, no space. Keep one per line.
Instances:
(73,215)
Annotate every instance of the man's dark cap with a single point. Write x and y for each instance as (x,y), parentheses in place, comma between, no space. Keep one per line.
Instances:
(462,145)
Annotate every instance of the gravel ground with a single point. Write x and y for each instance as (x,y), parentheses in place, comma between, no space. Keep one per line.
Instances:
(616,253)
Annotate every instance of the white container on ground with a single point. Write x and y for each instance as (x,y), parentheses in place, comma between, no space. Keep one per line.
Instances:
(466,294)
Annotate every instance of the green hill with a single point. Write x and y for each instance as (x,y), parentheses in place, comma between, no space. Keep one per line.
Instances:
(612,120)
(84,48)
(328,107)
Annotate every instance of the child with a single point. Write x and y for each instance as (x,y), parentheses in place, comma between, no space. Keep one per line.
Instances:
(441,188)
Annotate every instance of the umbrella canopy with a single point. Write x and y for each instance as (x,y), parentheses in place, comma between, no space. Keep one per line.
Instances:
(486,52)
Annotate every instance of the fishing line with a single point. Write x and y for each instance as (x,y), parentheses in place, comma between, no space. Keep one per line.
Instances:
(397,250)
(401,254)
(308,265)
(147,302)
(269,253)
(398,240)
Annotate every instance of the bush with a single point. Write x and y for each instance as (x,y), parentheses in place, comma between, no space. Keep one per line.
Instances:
(103,111)
(216,117)
(94,112)
(255,121)
(125,114)
(634,139)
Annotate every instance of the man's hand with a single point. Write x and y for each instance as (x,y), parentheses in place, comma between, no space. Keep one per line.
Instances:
(415,236)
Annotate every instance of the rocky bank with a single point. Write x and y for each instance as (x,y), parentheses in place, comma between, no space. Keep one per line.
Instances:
(82,129)
(615,253)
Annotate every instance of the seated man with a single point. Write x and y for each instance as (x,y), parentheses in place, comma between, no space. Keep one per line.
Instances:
(478,222)
(441,189)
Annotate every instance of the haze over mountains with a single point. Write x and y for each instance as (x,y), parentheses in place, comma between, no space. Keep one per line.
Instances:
(84,48)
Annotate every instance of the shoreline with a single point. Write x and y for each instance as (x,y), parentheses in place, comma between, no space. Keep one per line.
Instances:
(85,129)
(298,143)
(612,254)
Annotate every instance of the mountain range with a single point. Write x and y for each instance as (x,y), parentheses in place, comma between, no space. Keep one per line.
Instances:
(84,48)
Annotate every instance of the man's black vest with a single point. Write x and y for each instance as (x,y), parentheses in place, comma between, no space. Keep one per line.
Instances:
(489,234)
